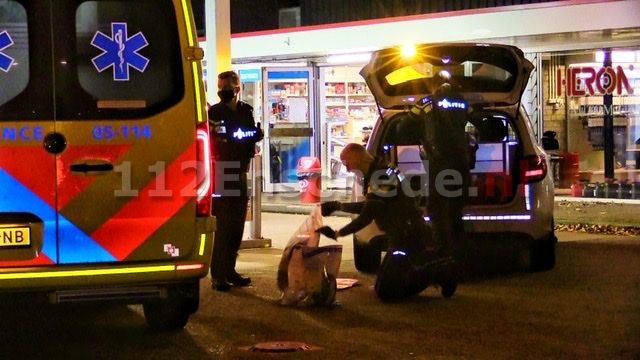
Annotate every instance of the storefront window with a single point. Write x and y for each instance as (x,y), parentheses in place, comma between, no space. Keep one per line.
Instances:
(580,80)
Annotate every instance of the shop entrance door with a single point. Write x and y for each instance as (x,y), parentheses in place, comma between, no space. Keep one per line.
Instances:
(288,108)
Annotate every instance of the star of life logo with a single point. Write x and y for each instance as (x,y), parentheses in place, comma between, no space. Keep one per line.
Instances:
(241,134)
(119,51)
(5,60)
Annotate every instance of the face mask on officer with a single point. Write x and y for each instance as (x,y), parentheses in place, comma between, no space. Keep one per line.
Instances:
(226,95)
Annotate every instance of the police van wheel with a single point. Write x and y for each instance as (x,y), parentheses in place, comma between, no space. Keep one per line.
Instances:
(543,254)
(172,313)
(448,288)
(366,257)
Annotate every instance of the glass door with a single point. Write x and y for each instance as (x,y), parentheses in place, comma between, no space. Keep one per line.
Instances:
(288,106)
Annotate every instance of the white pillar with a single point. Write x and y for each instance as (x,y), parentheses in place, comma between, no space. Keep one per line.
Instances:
(218,42)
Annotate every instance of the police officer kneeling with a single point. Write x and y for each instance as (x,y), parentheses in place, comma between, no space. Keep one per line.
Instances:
(408,267)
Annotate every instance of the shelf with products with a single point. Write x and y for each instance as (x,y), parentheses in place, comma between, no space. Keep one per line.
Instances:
(357,88)
(335,101)
(351,111)
(335,88)
(336,114)
(288,101)
(339,130)
(361,104)
(363,112)
(287,88)
(348,107)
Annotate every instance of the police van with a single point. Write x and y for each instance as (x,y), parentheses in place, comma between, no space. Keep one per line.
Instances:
(105,164)
(510,198)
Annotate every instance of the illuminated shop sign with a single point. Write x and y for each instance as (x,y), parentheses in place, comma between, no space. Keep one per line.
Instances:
(583,81)
(250,75)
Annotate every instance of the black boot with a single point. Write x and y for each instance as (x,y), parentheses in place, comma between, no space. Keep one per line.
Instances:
(220,284)
(238,280)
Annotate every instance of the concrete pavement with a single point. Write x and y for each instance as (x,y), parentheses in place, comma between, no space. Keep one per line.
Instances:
(279,228)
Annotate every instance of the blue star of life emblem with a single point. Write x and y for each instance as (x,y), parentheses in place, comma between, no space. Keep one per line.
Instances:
(5,60)
(119,51)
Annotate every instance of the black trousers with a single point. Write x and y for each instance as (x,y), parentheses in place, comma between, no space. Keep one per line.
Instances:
(405,269)
(404,274)
(445,210)
(399,278)
(231,212)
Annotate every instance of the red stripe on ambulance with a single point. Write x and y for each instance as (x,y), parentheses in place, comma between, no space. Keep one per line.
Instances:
(69,184)
(42,259)
(33,167)
(158,202)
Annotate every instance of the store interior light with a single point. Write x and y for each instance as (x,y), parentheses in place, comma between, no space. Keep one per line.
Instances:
(349,58)
(620,56)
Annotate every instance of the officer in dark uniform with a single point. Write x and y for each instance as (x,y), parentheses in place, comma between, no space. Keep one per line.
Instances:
(389,204)
(451,155)
(234,135)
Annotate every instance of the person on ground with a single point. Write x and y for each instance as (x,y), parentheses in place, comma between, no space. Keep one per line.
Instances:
(396,212)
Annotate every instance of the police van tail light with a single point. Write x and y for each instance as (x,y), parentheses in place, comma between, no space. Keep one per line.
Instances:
(203,157)
(533,169)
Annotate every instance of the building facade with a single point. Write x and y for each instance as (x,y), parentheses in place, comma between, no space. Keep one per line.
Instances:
(304,83)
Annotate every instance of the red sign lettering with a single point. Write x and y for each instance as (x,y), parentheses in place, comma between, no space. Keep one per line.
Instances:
(581,81)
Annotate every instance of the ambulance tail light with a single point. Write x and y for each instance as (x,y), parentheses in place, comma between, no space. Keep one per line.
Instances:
(203,157)
(188,267)
(533,169)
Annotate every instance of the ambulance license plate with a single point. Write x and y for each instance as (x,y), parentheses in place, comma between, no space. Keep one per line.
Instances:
(15,236)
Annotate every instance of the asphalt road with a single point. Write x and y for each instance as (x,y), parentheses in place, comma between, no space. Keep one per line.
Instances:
(588,307)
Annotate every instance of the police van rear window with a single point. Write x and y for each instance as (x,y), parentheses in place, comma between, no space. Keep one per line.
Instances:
(83,60)
(479,69)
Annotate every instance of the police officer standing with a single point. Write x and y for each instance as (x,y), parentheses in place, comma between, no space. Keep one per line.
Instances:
(451,156)
(234,135)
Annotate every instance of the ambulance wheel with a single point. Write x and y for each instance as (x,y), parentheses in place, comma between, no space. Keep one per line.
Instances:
(448,288)
(366,257)
(172,313)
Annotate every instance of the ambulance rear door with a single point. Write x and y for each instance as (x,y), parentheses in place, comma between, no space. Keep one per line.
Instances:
(27,146)
(125,177)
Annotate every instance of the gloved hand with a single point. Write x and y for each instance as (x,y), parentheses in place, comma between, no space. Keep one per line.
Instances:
(329,207)
(327,231)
